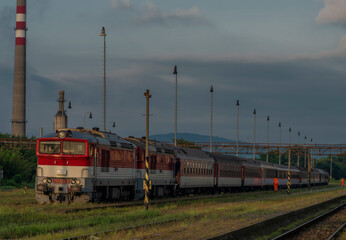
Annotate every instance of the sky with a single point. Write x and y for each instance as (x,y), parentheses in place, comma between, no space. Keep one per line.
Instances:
(285,58)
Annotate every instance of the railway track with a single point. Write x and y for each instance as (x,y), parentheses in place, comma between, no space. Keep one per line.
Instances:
(103,234)
(189,198)
(337,233)
(323,226)
(263,229)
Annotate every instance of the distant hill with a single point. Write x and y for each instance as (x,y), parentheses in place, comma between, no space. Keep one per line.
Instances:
(192,137)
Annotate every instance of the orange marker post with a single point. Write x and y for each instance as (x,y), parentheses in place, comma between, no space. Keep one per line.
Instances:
(276,184)
(342,182)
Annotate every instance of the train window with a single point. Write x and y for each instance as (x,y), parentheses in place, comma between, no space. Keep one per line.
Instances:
(105,157)
(50,147)
(69,147)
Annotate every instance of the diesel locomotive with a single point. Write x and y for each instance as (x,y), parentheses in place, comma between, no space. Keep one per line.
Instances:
(82,165)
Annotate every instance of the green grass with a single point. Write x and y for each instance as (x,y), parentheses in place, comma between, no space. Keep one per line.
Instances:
(22,217)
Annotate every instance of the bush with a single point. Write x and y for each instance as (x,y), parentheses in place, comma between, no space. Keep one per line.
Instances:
(18,166)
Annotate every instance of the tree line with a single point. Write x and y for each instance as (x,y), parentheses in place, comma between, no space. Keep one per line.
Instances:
(18,165)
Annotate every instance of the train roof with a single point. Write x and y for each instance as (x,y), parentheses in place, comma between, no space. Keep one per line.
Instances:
(92,136)
(192,154)
(221,158)
(154,146)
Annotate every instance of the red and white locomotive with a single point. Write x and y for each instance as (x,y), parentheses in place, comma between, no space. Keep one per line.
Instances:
(81,165)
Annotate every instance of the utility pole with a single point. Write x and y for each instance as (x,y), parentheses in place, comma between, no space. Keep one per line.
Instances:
(305,152)
(175,72)
(279,142)
(237,127)
(147,95)
(309,170)
(331,165)
(312,159)
(289,171)
(211,119)
(267,138)
(298,149)
(254,134)
(103,34)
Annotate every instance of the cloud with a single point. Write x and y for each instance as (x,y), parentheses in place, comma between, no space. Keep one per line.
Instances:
(120,4)
(155,15)
(7,22)
(334,12)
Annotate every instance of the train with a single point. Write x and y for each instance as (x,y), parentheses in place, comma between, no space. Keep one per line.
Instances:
(88,165)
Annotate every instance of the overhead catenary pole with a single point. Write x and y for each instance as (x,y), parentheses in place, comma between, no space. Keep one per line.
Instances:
(309,170)
(103,34)
(211,119)
(175,72)
(90,116)
(305,152)
(279,142)
(147,95)
(298,149)
(254,134)
(267,138)
(237,127)
(312,158)
(331,165)
(289,171)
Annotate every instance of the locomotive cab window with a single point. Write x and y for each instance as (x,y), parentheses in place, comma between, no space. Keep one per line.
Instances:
(50,147)
(69,147)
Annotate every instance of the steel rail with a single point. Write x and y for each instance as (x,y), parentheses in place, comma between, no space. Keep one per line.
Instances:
(192,198)
(266,227)
(307,224)
(337,232)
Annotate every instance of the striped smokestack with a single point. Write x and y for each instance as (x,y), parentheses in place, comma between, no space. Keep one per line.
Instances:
(19,86)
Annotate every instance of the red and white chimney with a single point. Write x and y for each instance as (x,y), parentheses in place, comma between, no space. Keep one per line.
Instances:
(19,86)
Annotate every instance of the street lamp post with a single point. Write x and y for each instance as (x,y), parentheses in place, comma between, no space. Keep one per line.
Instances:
(175,72)
(289,171)
(112,125)
(279,142)
(298,149)
(331,165)
(211,119)
(267,138)
(254,134)
(237,127)
(290,130)
(90,116)
(305,152)
(103,34)
(312,158)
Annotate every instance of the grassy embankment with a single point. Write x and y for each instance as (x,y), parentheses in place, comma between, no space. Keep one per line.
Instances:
(22,217)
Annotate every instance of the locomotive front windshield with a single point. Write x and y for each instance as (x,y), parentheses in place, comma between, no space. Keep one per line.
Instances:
(70,147)
(50,147)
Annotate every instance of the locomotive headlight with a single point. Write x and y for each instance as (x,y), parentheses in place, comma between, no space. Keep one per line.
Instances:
(73,181)
(49,180)
(44,180)
(62,135)
(78,181)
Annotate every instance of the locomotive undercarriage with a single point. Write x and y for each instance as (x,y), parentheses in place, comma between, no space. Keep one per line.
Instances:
(48,191)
